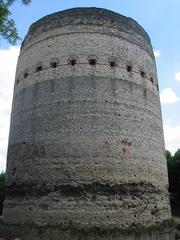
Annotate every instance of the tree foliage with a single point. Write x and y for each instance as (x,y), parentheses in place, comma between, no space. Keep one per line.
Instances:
(2,192)
(176,156)
(173,164)
(8,28)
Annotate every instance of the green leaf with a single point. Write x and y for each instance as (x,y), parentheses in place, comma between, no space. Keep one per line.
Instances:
(8,28)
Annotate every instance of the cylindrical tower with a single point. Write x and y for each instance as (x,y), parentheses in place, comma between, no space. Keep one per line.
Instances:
(86,147)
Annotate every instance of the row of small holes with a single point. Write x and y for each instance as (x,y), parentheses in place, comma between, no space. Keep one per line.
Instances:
(92,62)
(72,62)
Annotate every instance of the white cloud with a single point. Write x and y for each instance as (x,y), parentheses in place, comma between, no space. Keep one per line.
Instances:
(172,137)
(2,163)
(177,76)
(168,96)
(157,53)
(8,60)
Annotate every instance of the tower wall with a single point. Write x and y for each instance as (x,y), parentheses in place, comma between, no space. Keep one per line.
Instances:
(86,146)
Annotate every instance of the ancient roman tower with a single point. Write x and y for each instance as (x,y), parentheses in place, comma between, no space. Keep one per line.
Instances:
(86,148)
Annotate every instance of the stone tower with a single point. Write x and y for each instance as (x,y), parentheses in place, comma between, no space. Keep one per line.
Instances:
(86,148)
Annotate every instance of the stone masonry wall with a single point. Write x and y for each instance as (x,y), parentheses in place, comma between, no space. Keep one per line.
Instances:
(86,143)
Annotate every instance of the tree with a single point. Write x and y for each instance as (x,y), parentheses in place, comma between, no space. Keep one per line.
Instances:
(172,173)
(168,156)
(173,164)
(176,160)
(8,28)
(176,156)
(2,192)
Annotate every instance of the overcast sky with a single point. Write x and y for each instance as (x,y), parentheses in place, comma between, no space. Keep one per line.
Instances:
(160,18)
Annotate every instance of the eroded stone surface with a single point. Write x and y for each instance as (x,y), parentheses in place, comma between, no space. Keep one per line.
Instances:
(86,143)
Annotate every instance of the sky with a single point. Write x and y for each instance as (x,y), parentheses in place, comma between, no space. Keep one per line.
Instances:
(161,20)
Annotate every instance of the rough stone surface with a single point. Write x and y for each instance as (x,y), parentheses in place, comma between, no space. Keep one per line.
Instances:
(86,145)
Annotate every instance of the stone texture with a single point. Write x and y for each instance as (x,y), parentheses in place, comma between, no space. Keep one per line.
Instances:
(86,145)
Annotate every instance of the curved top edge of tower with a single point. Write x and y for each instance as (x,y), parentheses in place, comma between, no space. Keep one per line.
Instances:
(85,16)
